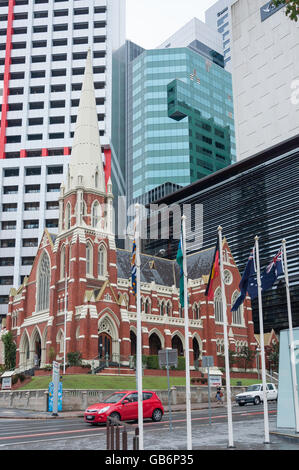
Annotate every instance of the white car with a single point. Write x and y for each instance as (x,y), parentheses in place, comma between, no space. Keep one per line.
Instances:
(254,394)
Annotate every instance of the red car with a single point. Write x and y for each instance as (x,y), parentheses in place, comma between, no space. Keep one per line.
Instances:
(124,407)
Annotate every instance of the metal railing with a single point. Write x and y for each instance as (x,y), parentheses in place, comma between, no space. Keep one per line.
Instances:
(117,435)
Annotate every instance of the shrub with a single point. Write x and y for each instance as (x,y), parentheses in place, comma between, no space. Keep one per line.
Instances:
(14,379)
(152,362)
(74,359)
(10,351)
(181,363)
(22,377)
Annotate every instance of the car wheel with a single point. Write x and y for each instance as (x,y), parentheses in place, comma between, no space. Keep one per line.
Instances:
(257,400)
(115,416)
(157,415)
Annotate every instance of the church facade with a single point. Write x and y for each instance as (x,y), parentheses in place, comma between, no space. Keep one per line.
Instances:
(80,280)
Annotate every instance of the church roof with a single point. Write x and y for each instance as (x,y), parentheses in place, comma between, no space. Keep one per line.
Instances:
(165,272)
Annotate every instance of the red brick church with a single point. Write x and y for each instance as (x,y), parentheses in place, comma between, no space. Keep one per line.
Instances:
(83,263)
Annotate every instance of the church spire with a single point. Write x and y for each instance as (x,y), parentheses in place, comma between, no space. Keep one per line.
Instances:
(85,165)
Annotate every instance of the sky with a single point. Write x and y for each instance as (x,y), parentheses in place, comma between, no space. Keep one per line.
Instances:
(151,22)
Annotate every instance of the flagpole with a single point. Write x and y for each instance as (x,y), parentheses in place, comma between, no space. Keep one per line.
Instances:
(227,371)
(259,285)
(65,313)
(291,337)
(139,340)
(187,347)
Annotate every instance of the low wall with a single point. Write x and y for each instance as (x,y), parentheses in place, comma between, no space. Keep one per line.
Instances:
(79,400)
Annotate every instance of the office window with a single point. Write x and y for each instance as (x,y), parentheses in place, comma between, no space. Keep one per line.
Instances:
(7,261)
(61,12)
(20,16)
(14,122)
(31,206)
(27,260)
(99,39)
(19,30)
(12,155)
(79,41)
(59,42)
(56,135)
(34,171)
(32,188)
(11,243)
(74,103)
(30,224)
(58,73)
(29,242)
(40,1)
(60,27)
(99,24)
(21,2)
(4,299)
(40,29)
(40,14)
(15,106)
(78,71)
(80,25)
(81,11)
(13,139)
(99,9)
(99,54)
(12,207)
(10,190)
(37,89)
(53,188)
(79,55)
(76,86)
(18,60)
(57,57)
(34,136)
(38,74)
(19,45)
(57,120)
(52,205)
(35,121)
(11,172)
(9,225)
(57,104)
(51,223)
(57,88)
(38,58)
(99,85)
(99,69)
(53,152)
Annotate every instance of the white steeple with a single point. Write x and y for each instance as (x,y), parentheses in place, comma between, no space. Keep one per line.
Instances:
(86,165)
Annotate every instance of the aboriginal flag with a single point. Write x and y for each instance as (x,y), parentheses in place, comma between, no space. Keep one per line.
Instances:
(215,271)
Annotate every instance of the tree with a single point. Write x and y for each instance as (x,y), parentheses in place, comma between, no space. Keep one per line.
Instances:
(246,357)
(10,351)
(292,7)
(274,356)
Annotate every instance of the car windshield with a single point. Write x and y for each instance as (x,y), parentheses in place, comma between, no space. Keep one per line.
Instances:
(253,388)
(114,398)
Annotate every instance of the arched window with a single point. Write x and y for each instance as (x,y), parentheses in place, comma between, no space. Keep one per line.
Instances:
(162,307)
(196,311)
(218,306)
(102,261)
(60,340)
(43,283)
(168,308)
(147,306)
(62,262)
(95,214)
(89,259)
(68,217)
(238,314)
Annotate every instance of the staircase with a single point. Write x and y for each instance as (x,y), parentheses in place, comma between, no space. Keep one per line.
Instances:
(125,371)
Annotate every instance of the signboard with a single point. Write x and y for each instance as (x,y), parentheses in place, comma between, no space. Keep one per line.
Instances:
(55,379)
(207,361)
(269,9)
(215,381)
(51,396)
(6,383)
(168,357)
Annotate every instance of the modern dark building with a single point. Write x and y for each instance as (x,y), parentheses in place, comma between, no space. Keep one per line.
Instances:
(256,196)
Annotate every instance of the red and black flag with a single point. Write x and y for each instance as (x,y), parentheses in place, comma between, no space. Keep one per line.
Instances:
(215,271)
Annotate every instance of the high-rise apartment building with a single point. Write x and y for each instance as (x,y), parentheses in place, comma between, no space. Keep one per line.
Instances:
(43,48)
(265,75)
(218,17)
(161,148)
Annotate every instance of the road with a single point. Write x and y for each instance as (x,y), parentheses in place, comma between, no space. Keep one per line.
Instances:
(74,434)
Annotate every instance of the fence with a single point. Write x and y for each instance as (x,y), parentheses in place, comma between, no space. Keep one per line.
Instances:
(117,434)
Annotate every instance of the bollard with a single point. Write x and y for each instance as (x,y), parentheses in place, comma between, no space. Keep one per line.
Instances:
(117,438)
(136,440)
(125,439)
(108,434)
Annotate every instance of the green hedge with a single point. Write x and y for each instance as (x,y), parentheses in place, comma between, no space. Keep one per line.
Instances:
(152,362)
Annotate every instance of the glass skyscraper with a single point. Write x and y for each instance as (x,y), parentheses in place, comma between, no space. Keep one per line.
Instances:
(160,144)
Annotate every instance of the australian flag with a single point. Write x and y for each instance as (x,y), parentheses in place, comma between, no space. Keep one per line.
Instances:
(247,279)
(272,271)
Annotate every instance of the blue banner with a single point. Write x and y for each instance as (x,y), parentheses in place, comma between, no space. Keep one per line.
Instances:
(51,395)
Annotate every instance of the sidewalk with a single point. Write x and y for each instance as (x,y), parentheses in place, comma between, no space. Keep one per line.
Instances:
(8,413)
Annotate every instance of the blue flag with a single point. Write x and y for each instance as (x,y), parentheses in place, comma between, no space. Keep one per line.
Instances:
(272,271)
(246,281)
(179,260)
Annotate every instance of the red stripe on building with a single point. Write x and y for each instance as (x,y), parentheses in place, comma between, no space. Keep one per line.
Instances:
(10,19)
(107,153)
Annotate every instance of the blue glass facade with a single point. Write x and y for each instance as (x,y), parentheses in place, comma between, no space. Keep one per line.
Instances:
(160,145)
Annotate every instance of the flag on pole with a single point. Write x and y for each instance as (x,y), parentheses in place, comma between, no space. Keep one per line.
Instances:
(215,272)
(272,271)
(134,268)
(179,260)
(247,279)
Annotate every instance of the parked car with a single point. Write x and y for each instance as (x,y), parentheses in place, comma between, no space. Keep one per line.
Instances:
(124,407)
(254,394)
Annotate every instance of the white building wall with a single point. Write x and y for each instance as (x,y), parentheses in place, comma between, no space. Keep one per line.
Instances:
(265,68)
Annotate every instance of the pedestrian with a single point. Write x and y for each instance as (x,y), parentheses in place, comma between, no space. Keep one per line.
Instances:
(219,396)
